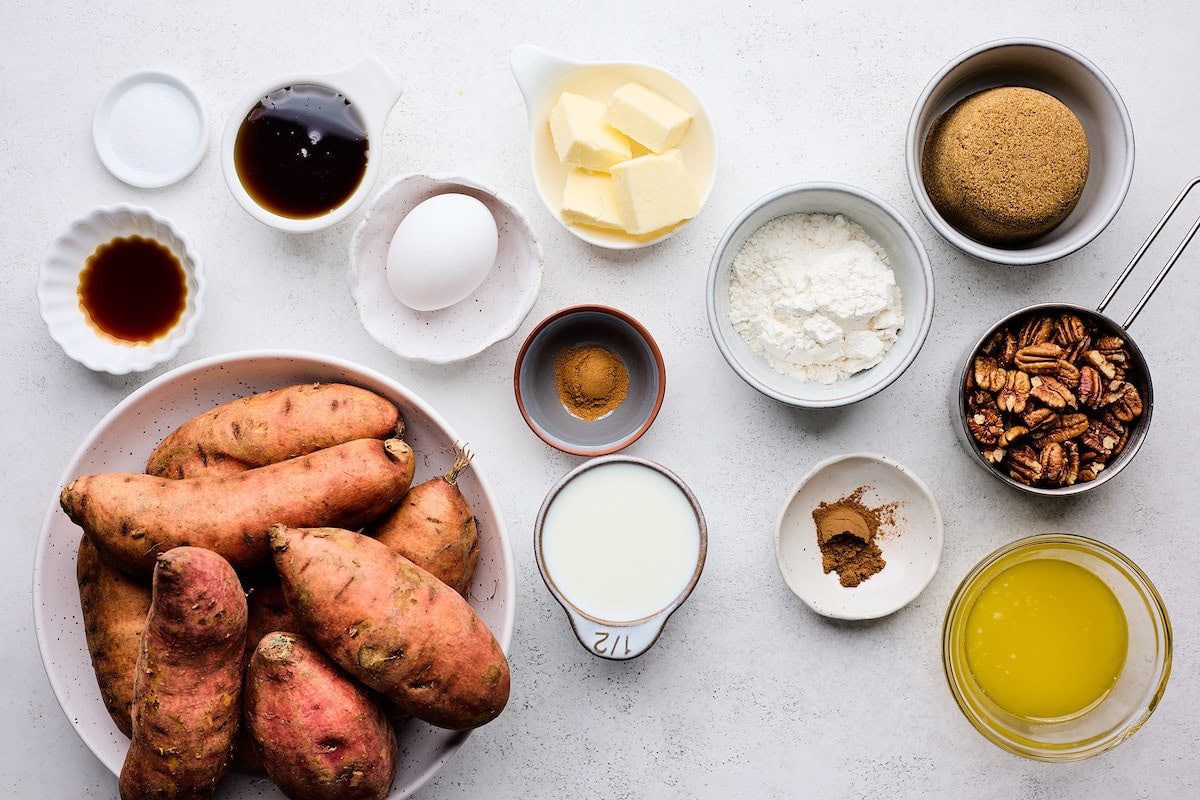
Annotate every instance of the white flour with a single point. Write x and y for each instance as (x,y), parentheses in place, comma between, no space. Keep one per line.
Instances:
(812,293)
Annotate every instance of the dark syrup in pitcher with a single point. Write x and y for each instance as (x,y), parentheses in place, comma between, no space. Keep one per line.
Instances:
(301,151)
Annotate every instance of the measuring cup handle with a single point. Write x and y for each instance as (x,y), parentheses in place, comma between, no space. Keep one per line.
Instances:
(1146,246)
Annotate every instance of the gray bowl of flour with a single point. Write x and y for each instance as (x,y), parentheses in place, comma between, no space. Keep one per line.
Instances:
(820,295)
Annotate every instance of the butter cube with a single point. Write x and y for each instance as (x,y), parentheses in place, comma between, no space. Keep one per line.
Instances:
(581,136)
(589,199)
(647,117)
(654,192)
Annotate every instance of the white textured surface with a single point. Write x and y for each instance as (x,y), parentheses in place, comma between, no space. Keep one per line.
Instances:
(748,693)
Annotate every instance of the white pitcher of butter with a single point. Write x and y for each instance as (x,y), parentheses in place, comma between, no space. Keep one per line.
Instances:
(624,154)
(300,152)
(620,542)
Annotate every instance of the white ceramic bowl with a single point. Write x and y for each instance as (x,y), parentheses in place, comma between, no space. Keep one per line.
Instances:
(123,440)
(491,313)
(906,257)
(543,76)
(1078,84)
(126,140)
(58,290)
(373,90)
(912,547)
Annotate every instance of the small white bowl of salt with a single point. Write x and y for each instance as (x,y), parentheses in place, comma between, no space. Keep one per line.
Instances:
(149,129)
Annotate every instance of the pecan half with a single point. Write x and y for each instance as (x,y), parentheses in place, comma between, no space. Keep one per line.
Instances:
(1068,329)
(1069,427)
(1051,392)
(1070,473)
(1068,373)
(1002,346)
(989,375)
(1015,393)
(1054,462)
(1011,435)
(1024,465)
(1091,386)
(1040,419)
(1125,402)
(1091,471)
(1035,331)
(1039,359)
(986,426)
(1100,439)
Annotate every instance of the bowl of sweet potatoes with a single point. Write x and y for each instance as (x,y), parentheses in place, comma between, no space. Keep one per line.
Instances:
(180,465)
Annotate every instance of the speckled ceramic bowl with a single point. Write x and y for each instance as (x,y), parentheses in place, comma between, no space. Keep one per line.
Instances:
(58,290)
(538,398)
(912,546)
(490,314)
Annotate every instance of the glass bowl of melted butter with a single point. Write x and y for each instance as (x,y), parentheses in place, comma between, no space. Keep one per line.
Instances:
(1057,647)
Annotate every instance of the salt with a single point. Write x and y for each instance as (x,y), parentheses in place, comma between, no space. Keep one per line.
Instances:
(154,128)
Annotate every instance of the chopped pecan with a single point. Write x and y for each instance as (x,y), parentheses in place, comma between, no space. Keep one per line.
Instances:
(1069,426)
(1015,393)
(1091,386)
(1024,465)
(1068,329)
(1002,346)
(1090,471)
(1100,439)
(1039,359)
(1101,363)
(980,399)
(989,374)
(1035,331)
(993,456)
(1113,347)
(986,425)
(1051,392)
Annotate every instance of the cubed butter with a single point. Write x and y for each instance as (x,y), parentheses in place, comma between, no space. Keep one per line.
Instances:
(581,136)
(647,117)
(654,192)
(589,199)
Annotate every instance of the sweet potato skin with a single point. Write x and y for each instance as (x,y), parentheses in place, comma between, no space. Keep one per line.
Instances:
(133,517)
(187,694)
(268,612)
(392,625)
(321,735)
(114,608)
(434,528)
(272,426)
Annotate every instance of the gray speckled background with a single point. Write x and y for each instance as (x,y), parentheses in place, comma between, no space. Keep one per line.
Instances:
(747,693)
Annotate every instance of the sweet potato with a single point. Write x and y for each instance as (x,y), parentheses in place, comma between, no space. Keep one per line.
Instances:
(268,612)
(187,694)
(133,517)
(319,733)
(273,426)
(114,610)
(392,625)
(434,528)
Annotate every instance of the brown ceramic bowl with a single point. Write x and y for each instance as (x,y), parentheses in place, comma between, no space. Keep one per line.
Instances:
(581,326)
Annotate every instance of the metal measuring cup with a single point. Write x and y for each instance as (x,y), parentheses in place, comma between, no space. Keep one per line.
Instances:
(1138,373)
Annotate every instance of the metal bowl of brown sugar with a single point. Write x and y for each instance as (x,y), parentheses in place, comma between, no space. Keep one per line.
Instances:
(1056,398)
(589,380)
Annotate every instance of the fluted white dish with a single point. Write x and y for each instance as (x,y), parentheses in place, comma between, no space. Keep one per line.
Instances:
(490,314)
(58,290)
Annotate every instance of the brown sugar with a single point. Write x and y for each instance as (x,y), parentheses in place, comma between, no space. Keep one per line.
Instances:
(1006,165)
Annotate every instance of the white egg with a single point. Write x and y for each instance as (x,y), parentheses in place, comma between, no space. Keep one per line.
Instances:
(441,252)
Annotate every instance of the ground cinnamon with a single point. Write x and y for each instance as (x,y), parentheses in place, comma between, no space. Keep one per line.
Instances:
(591,381)
(846,531)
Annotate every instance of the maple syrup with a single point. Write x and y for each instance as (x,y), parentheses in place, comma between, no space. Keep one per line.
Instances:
(301,151)
(133,289)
